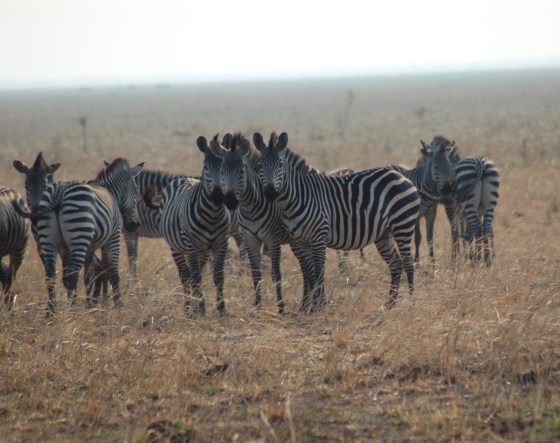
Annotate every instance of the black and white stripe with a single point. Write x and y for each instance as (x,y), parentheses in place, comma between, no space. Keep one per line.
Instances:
(81,217)
(259,220)
(475,191)
(14,235)
(37,178)
(431,176)
(152,182)
(348,212)
(196,224)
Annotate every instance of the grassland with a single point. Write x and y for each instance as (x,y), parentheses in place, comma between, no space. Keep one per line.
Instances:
(474,356)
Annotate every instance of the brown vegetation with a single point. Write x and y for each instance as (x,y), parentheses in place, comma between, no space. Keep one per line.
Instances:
(474,356)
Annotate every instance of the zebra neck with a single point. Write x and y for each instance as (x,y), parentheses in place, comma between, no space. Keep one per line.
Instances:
(422,179)
(252,198)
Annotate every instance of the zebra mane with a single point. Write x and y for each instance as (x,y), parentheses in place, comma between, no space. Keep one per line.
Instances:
(237,138)
(299,163)
(118,165)
(440,143)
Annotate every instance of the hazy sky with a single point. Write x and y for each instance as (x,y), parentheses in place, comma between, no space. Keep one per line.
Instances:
(55,42)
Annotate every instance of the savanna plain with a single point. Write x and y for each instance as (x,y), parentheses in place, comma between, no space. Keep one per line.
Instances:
(473,356)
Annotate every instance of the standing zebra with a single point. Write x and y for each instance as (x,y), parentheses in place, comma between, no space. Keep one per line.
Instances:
(82,217)
(348,212)
(259,220)
(37,178)
(432,174)
(195,224)
(152,182)
(14,235)
(474,195)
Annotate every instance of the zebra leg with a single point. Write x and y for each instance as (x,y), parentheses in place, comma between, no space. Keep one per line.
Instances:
(342,258)
(276,255)
(453,216)
(195,304)
(110,254)
(418,239)
(89,278)
(305,260)
(5,279)
(16,259)
(218,275)
(362,255)
(319,297)
(386,247)
(131,241)
(253,250)
(430,217)
(403,244)
(180,260)
(49,261)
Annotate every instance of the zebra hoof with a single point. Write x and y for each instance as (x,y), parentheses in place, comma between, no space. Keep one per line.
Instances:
(281,307)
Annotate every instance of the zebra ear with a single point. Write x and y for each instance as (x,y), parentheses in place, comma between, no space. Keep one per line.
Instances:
(227,140)
(282,141)
(107,164)
(136,170)
(202,143)
(258,142)
(51,169)
(244,147)
(426,149)
(20,167)
(217,150)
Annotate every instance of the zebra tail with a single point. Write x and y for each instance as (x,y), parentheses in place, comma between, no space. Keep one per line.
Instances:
(21,208)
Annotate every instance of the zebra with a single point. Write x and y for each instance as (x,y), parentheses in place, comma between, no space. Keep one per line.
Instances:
(433,174)
(259,220)
(195,224)
(14,236)
(348,212)
(474,194)
(82,217)
(147,182)
(37,178)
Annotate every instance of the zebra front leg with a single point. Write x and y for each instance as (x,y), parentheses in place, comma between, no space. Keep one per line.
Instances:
(50,280)
(6,279)
(276,255)
(131,241)
(253,250)
(218,275)
(195,305)
(319,297)
(430,217)
(305,259)
(417,240)
(180,260)
(403,244)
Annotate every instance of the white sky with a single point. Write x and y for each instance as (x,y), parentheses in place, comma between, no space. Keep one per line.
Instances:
(56,42)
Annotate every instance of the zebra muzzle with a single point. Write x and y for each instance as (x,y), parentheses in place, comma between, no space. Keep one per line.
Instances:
(231,202)
(270,193)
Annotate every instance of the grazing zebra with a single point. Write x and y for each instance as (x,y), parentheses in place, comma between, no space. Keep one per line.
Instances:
(37,178)
(259,220)
(195,224)
(14,235)
(348,212)
(432,174)
(474,195)
(82,217)
(151,182)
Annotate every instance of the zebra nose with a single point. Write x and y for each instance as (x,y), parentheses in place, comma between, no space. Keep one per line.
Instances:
(231,202)
(270,193)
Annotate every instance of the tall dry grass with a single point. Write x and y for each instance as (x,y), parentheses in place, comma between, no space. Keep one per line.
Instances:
(473,356)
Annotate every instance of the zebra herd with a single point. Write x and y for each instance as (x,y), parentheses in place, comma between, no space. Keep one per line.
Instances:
(266,195)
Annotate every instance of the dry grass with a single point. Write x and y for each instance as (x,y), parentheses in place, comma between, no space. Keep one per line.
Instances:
(474,356)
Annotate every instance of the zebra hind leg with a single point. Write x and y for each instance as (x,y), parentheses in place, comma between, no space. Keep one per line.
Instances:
(386,247)
(6,280)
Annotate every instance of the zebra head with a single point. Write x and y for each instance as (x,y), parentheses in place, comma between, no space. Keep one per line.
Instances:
(211,168)
(437,161)
(271,170)
(37,178)
(234,169)
(118,177)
